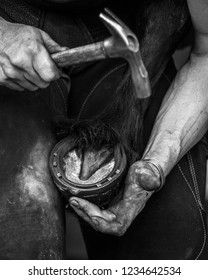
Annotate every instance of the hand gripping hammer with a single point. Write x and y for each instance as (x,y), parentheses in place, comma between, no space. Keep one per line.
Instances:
(123,43)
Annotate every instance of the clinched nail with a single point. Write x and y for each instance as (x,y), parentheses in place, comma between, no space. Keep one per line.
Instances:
(74,203)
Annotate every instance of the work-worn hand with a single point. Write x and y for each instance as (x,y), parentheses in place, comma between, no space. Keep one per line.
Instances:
(118,218)
(25,61)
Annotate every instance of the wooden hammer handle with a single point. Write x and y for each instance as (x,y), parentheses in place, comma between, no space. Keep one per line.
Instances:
(79,55)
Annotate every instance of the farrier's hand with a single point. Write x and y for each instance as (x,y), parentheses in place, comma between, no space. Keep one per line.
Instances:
(119,217)
(25,61)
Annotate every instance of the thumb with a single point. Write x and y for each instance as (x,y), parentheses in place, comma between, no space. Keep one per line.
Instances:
(50,44)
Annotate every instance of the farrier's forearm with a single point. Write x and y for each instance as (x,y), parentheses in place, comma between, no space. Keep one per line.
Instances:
(183,117)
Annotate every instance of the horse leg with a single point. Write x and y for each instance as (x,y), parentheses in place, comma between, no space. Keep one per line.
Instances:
(31,212)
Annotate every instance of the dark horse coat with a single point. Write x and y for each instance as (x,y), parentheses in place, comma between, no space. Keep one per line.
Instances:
(31,210)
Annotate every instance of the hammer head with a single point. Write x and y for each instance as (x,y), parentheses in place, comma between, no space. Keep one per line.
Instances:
(124,43)
(123,40)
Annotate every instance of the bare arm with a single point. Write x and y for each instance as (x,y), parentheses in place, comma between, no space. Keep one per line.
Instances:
(181,122)
(183,117)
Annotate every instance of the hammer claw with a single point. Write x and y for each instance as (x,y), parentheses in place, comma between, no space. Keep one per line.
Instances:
(114,18)
(124,43)
(114,27)
(120,31)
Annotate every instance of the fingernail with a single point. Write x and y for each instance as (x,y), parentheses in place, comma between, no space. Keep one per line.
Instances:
(95,222)
(74,203)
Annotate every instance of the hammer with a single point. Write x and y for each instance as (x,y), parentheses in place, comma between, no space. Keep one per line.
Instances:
(123,43)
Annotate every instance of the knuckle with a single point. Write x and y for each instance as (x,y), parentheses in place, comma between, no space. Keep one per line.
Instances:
(45,66)
(19,60)
(87,219)
(33,47)
(29,44)
(50,76)
(10,73)
(16,60)
(29,31)
(46,71)
(85,209)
